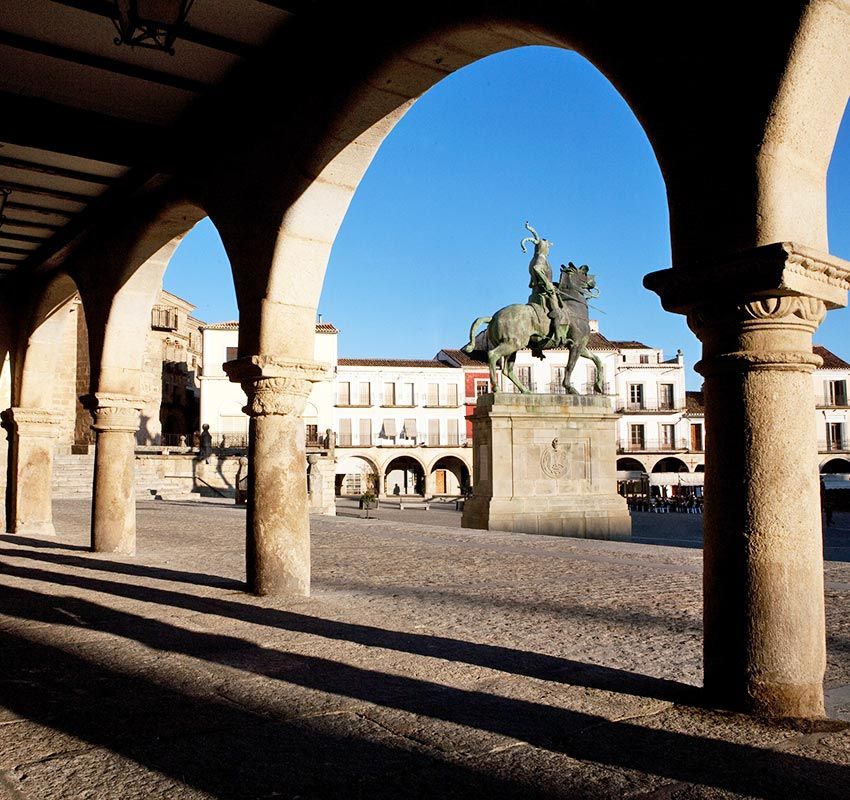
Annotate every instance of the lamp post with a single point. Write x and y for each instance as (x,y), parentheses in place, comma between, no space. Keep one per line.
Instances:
(153,24)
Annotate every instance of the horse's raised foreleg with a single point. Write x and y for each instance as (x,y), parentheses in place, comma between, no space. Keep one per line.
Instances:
(468,348)
(508,370)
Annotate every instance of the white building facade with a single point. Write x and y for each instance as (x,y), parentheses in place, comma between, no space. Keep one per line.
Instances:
(402,423)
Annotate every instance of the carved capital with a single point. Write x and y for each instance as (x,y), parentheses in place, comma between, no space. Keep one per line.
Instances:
(113,412)
(783,269)
(276,385)
(282,396)
(805,313)
(34,422)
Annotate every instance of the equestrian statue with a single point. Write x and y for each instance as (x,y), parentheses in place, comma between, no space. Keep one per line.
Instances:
(555,316)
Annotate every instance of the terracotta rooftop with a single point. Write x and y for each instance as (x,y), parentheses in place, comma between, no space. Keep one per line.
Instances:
(694,403)
(830,360)
(630,345)
(430,363)
(477,358)
(233,325)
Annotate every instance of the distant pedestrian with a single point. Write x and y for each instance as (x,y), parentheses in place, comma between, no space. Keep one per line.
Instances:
(396,490)
(206,444)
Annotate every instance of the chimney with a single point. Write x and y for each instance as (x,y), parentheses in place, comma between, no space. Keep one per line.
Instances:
(594,326)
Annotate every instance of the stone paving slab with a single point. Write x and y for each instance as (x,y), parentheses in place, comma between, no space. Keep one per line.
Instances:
(429,662)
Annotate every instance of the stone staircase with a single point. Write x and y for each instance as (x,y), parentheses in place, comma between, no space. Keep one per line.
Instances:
(72,475)
(164,478)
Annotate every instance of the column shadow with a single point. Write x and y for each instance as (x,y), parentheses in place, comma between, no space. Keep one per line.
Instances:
(136,719)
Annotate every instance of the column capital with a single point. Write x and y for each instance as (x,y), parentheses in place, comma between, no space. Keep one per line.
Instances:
(31,421)
(276,385)
(113,412)
(781,269)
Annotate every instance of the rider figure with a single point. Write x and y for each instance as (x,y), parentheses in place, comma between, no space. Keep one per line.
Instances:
(544,293)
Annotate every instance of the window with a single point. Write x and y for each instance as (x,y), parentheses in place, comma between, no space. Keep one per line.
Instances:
(637,440)
(389,394)
(835,435)
(835,393)
(433,394)
(344,394)
(696,437)
(665,395)
(365,394)
(482,386)
(644,359)
(452,435)
(452,394)
(409,429)
(433,432)
(366,432)
(524,376)
(164,318)
(389,430)
(668,436)
(344,439)
(232,353)
(557,379)
(312,435)
(407,394)
(636,395)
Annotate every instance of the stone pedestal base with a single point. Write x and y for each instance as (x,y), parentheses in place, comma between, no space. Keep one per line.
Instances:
(546,464)
(321,473)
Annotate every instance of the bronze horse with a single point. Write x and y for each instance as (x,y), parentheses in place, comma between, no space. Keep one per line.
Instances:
(555,316)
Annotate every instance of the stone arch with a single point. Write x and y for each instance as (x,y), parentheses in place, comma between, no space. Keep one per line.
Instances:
(43,395)
(458,468)
(835,466)
(356,464)
(802,127)
(670,464)
(408,472)
(39,354)
(699,468)
(630,465)
(318,191)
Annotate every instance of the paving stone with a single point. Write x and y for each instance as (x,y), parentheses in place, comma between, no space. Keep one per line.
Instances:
(430,661)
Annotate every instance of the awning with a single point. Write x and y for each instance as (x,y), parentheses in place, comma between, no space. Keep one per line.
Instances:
(410,429)
(389,429)
(677,478)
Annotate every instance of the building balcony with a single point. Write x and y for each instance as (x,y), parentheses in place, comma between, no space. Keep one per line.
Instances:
(648,407)
(354,405)
(648,446)
(833,446)
(831,401)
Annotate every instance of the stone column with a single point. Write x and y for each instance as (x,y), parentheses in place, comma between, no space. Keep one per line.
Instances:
(278,523)
(380,483)
(29,491)
(764,642)
(430,484)
(113,519)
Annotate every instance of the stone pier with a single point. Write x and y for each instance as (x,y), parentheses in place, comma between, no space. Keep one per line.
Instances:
(546,464)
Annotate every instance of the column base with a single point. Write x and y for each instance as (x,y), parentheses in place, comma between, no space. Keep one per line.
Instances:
(34,529)
(772,701)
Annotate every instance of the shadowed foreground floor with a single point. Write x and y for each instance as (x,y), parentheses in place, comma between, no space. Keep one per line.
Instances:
(430,662)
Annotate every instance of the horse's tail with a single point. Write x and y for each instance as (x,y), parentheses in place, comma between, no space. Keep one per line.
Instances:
(468,348)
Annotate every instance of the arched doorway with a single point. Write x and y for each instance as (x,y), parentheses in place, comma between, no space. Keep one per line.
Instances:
(355,475)
(449,476)
(406,473)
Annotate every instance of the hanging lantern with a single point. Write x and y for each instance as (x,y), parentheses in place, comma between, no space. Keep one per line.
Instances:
(150,23)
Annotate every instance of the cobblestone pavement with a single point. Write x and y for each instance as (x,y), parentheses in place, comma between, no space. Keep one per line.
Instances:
(430,661)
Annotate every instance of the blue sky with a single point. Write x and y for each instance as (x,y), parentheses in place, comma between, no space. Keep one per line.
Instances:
(431,239)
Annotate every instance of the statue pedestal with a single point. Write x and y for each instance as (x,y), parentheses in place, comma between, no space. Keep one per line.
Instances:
(546,463)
